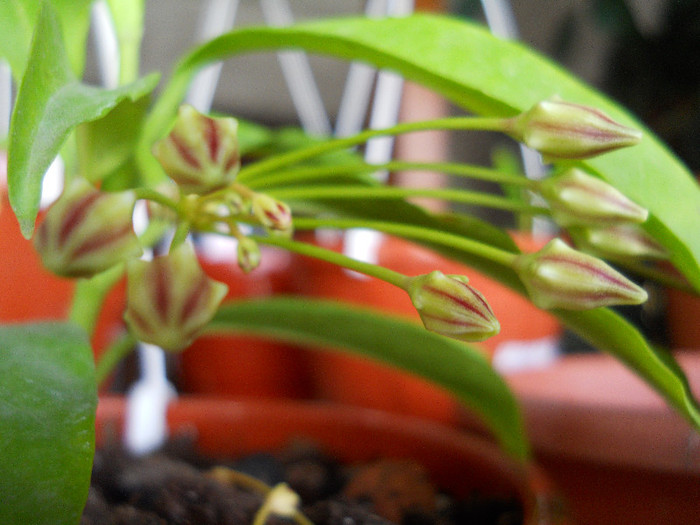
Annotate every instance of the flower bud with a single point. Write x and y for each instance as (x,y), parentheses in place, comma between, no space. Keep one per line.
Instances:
(87,231)
(200,153)
(579,199)
(560,129)
(248,254)
(170,299)
(558,276)
(274,215)
(447,305)
(619,242)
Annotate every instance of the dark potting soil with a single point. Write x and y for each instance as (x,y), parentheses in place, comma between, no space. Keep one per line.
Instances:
(176,486)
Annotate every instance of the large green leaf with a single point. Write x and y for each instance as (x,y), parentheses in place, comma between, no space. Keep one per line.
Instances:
(448,363)
(18,19)
(51,102)
(48,399)
(484,74)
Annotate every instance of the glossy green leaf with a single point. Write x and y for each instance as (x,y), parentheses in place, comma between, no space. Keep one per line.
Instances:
(50,104)
(48,399)
(18,19)
(484,74)
(328,325)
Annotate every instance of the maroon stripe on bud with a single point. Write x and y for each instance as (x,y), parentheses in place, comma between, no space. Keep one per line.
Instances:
(587,268)
(184,151)
(76,215)
(162,290)
(231,161)
(140,321)
(100,241)
(211,133)
(194,299)
(460,301)
(453,322)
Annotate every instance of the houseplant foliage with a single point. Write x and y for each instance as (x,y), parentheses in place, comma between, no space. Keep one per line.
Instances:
(117,140)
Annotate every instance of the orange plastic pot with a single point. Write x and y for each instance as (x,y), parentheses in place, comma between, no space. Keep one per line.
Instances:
(358,381)
(457,462)
(242,365)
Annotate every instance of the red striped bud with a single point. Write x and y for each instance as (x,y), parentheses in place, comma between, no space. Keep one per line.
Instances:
(275,216)
(579,199)
(248,253)
(563,130)
(200,153)
(447,305)
(87,231)
(170,299)
(619,241)
(558,276)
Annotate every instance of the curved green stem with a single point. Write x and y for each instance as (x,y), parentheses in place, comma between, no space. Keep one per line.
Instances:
(310,250)
(112,356)
(386,192)
(470,171)
(296,156)
(157,197)
(414,232)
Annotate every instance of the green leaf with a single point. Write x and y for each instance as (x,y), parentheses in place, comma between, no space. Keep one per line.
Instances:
(607,330)
(48,399)
(18,19)
(127,17)
(453,365)
(479,72)
(50,104)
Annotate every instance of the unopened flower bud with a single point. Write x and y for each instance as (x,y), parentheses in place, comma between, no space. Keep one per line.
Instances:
(274,215)
(447,305)
(579,199)
(619,242)
(248,254)
(170,299)
(557,276)
(87,231)
(200,153)
(560,129)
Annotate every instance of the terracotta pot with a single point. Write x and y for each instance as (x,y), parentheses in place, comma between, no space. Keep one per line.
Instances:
(457,462)
(358,381)
(240,365)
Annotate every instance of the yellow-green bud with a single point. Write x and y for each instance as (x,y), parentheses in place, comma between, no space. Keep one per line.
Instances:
(448,306)
(619,242)
(557,276)
(248,253)
(170,299)
(564,130)
(200,153)
(87,231)
(274,215)
(579,199)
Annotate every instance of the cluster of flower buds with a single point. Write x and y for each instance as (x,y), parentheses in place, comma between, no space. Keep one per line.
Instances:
(87,231)
(200,153)
(170,299)
(557,276)
(562,130)
(274,215)
(447,305)
(579,199)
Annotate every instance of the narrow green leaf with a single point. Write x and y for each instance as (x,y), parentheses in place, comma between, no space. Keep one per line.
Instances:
(48,399)
(50,104)
(453,365)
(465,63)
(18,19)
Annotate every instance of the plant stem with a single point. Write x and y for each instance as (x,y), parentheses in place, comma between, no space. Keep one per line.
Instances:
(157,197)
(89,296)
(451,240)
(304,173)
(293,157)
(387,192)
(112,356)
(373,270)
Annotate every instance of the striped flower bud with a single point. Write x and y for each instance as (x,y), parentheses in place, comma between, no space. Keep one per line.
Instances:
(558,276)
(447,305)
(248,253)
(200,153)
(619,242)
(87,231)
(275,216)
(579,199)
(563,130)
(170,299)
